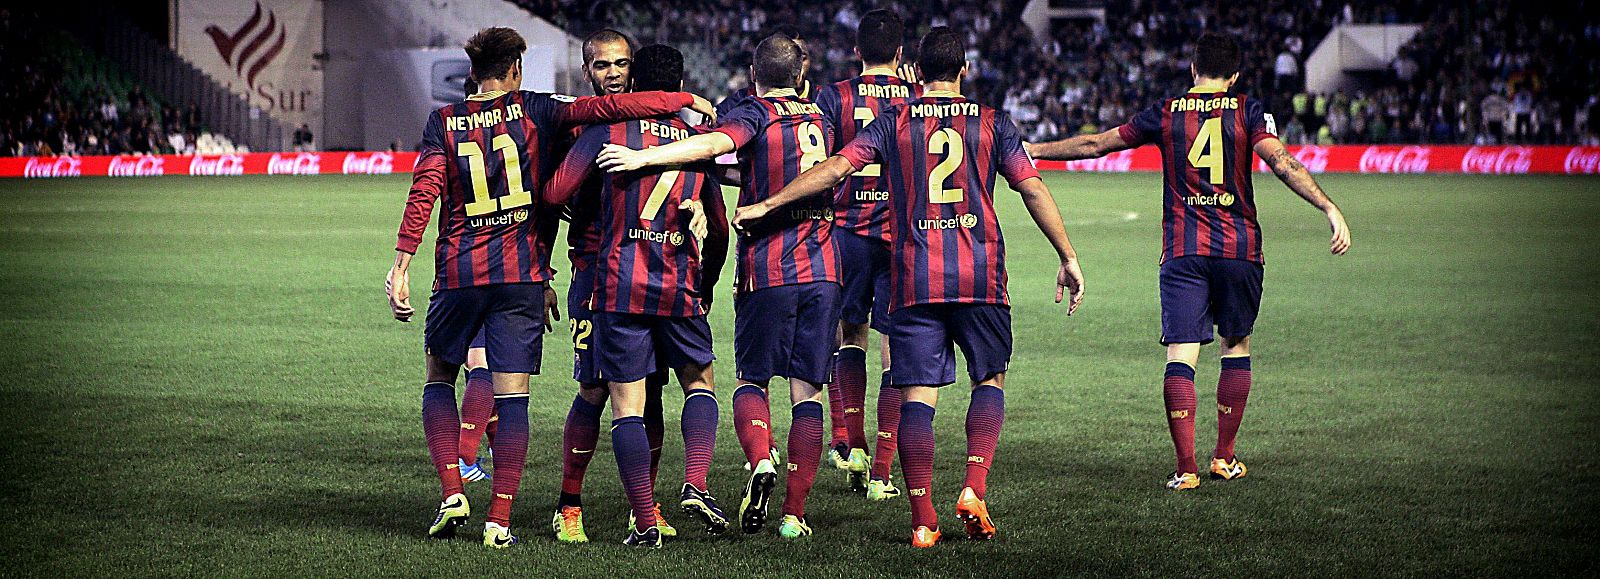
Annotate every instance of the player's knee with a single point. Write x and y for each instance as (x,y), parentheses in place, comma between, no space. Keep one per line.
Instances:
(853,335)
(998,380)
(1235,346)
(1187,353)
(594,393)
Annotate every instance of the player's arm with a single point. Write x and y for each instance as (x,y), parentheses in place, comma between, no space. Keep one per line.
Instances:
(427,183)
(704,147)
(1079,147)
(1042,207)
(1293,174)
(823,178)
(714,251)
(621,107)
(576,167)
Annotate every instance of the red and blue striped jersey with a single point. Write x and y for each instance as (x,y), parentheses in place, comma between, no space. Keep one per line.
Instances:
(486,157)
(940,154)
(648,262)
(1207,137)
(779,136)
(851,105)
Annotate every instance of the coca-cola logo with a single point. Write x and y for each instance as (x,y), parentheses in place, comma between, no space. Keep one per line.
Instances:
(1314,157)
(1583,160)
(1497,160)
(56,167)
(145,166)
(298,164)
(1401,160)
(369,164)
(1118,162)
(219,165)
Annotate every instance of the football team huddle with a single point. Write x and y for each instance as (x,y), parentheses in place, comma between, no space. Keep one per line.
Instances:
(864,206)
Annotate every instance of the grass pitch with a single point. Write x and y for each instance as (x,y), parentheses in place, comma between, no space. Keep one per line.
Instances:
(201,378)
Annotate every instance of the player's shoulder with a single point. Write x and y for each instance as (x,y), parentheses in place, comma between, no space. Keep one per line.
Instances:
(552,97)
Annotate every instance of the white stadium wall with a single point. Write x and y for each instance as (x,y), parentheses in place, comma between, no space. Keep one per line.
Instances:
(264,50)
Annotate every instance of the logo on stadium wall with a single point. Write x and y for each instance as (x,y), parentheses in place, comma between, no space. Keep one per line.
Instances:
(1314,157)
(219,165)
(1118,162)
(1582,160)
(255,44)
(369,164)
(1497,160)
(53,167)
(297,164)
(143,166)
(1401,160)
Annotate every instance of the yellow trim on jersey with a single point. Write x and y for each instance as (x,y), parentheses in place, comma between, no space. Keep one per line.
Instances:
(487,96)
(1208,89)
(883,70)
(780,92)
(942,93)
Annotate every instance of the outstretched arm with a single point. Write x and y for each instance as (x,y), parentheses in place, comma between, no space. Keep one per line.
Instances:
(824,177)
(1292,173)
(1079,147)
(1042,206)
(617,158)
(616,108)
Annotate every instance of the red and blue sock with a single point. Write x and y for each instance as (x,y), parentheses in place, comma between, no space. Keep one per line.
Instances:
(1233,390)
(985,415)
(477,405)
(805,451)
(850,373)
(442,429)
(699,424)
(654,420)
(889,399)
(752,422)
(916,461)
(632,447)
(1177,391)
(840,433)
(578,439)
(510,452)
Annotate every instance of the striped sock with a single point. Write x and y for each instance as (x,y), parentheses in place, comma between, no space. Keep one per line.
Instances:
(443,431)
(655,427)
(578,438)
(477,405)
(916,461)
(985,415)
(1177,391)
(889,399)
(752,422)
(632,447)
(1233,389)
(699,424)
(805,451)
(840,433)
(850,373)
(510,452)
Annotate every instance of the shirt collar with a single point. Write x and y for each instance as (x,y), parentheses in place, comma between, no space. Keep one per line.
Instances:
(1207,89)
(882,70)
(949,94)
(780,92)
(487,95)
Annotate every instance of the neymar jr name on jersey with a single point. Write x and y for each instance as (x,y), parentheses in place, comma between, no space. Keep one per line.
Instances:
(484,118)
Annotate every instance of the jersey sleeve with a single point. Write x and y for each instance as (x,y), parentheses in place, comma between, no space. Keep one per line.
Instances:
(1142,128)
(828,100)
(427,183)
(870,141)
(1259,121)
(743,123)
(1011,160)
(728,103)
(576,166)
(569,111)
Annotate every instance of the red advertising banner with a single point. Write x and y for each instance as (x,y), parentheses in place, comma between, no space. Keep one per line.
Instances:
(1498,160)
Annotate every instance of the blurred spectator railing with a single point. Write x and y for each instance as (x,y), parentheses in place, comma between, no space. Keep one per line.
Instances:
(172,78)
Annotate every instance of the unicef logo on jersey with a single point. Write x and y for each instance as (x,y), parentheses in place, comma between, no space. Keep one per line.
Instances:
(517,216)
(1217,200)
(963,221)
(675,237)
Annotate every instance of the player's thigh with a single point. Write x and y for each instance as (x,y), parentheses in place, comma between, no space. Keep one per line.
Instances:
(514,327)
(477,357)
(983,331)
(1185,300)
(624,349)
(1235,296)
(815,333)
(763,329)
(454,317)
(924,354)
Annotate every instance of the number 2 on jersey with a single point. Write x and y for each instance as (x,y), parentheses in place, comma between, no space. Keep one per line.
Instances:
(945,142)
(1206,152)
(864,116)
(482,203)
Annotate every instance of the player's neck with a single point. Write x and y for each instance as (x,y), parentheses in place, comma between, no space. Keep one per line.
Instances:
(881,69)
(497,85)
(944,87)
(1208,84)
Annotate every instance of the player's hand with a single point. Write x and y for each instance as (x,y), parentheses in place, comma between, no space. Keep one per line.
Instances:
(398,287)
(618,159)
(747,215)
(1069,279)
(908,72)
(1340,243)
(552,309)
(704,107)
(697,219)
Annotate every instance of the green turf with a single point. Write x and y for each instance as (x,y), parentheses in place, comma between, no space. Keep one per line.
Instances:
(201,378)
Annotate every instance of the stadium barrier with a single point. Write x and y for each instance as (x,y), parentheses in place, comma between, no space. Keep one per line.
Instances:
(1503,160)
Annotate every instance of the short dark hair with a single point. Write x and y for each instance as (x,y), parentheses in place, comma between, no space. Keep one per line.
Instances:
(777,62)
(493,51)
(942,54)
(657,67)
(601,36)
(785,31)
(879,36)
(1216,55)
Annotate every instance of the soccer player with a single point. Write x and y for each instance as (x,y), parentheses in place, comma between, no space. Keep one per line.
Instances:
(607,62)
(786,305)
(1211,248)
(862,231)
(492,255)
(647,297)
(940,153)
(803,88)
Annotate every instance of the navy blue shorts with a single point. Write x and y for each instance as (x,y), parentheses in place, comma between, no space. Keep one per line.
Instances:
(581,321)
(923,338)
(628,347)
(510,315)
(478,340)
(864,269)
(1198,292)
(790,331)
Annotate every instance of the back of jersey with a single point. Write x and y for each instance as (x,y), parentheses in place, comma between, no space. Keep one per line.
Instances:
(851,105)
